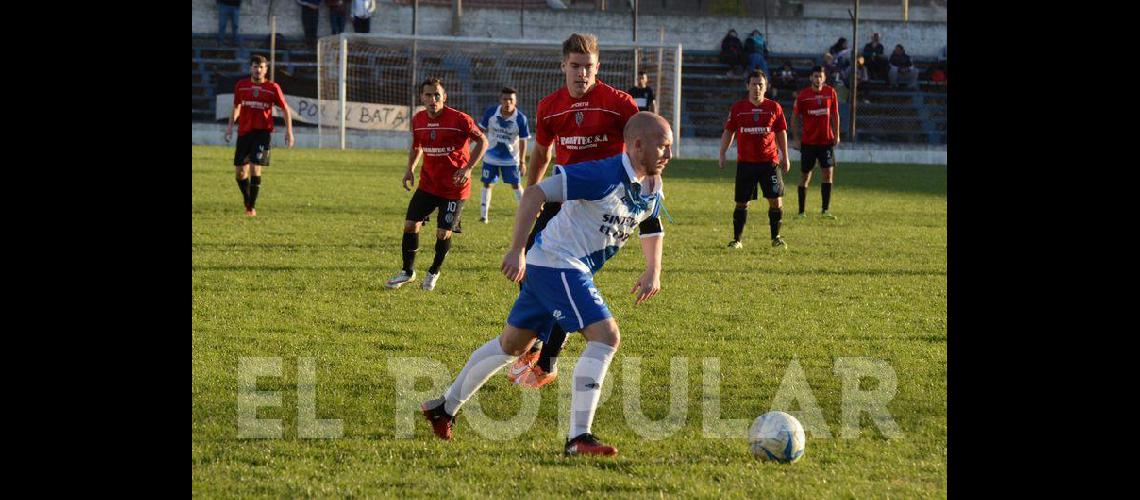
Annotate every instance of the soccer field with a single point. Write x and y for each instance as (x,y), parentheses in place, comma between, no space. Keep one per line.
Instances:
(303,283)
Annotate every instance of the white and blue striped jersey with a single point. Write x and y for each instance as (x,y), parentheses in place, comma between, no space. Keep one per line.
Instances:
(603,202)
(503,134)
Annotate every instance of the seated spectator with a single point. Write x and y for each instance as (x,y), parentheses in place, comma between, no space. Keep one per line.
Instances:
(732,53)
(830,69)
(785,80)
(901,66)
(756,43)
(877,65)
(846,68)
(839,46)
(756,61)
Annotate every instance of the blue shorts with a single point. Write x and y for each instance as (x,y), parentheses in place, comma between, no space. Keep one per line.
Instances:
(491,173)
(567,296)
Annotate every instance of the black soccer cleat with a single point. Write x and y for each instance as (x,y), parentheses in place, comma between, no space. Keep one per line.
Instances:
(587,444)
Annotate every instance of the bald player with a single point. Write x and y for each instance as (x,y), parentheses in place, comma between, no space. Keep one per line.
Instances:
(603,201)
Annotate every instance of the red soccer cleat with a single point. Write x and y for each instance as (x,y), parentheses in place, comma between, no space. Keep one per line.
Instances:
(536,377)
(522,365)
(439,419)
(587,444)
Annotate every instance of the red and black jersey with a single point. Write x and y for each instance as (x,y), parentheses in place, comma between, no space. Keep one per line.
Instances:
(816,110)
(585,129)
(445,142)
(756,126)
(256,101)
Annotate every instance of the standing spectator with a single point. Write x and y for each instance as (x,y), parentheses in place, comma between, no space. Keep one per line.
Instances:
(840,46)
(362,15)
(732,53)
(228,10)
(902,66)
(337,14)
(877,64)
(643,94)
(310,14)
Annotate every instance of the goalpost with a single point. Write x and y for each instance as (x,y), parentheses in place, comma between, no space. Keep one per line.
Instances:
(368,81)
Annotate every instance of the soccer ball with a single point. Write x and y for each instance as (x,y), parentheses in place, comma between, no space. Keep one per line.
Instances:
(776,436)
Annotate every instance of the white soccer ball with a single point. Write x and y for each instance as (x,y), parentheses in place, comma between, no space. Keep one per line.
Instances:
(776,436)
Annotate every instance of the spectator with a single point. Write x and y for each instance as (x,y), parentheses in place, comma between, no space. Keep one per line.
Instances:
(310,14)
(228,10)
(756,43)
(846,68)
(877,64)
(830,69)
(337,14)
(362,15)
(785,79)
(732,53)
(901,66)
(839,46)
(756,61)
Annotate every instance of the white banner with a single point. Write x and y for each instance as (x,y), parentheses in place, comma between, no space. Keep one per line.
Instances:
(361,115)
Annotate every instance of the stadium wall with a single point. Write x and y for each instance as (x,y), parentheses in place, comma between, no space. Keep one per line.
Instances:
(691,147)
(797,35)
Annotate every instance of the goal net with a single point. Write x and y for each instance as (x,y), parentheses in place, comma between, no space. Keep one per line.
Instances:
(368,81)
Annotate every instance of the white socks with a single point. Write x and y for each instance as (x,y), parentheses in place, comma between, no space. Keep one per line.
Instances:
(518,193)
(485,201)
(588,376)
(484,362)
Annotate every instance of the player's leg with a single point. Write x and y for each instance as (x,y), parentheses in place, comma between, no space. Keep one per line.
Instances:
(827,166)
(241,173)
(260,159)
(490,176)
(772,184)
(602,339)
(448,221)
(549,210)
(807,164)
(419,207)
(481,366)
(511,176)
(744,191)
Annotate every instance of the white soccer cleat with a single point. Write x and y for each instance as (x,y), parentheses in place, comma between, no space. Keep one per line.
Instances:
(398,280)
(429,281)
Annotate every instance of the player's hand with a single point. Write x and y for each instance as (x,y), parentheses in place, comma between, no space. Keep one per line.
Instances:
(836,141)
(461,176)
(787,165)
(522,170)
(289,137)
(514,265)
(649,284)
(409,180)
(721,162)
(229,134)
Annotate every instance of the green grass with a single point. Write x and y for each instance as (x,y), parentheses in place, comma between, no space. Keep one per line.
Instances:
(304,279)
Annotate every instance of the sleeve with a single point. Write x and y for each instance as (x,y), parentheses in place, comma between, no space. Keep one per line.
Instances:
(485,120)
(473,131)
(588,181)
(524,127)
(730,122)
(554,188)
(543,136)
(779,123)
(834,102)
(650,227)
(280,100)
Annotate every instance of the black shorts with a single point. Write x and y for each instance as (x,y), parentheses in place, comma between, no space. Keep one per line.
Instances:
(424,203)
(253,147)
(767,175)
(809,153)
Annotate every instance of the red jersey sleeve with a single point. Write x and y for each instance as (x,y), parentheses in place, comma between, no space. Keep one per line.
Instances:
(280,99)
(543,135)
(626,108)
(730,123)
(473,131)
(779,123)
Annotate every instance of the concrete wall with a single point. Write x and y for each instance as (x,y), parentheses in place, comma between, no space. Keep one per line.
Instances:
(809,35)
(706,148)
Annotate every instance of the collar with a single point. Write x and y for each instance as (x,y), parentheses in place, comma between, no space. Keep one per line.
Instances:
(629,168)
(499,112)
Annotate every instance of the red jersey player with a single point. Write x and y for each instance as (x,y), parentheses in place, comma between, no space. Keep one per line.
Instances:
(254,99)
(583,121)
(441,135)
(818,107)
(762,141)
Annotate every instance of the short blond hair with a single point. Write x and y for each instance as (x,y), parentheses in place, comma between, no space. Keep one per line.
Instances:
(580,43)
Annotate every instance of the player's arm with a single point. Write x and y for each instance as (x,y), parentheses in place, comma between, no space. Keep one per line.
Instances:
(522,155)
(413,157)
(514,262)
(233,118)
(835,115)
(464,174)
(782,145)
(288,125)
(652,242)
(539,160)
(725,141)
